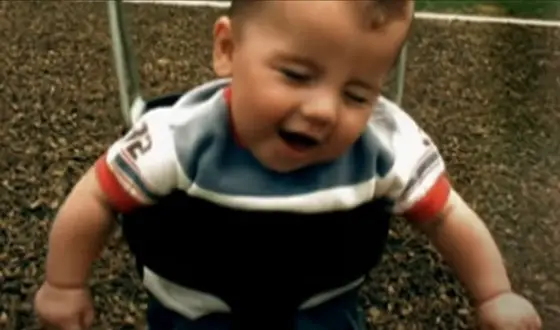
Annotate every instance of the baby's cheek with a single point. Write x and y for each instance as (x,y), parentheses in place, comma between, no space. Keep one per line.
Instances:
(273,111)
(343,139)
(338,148)
(274,100)
(350,130)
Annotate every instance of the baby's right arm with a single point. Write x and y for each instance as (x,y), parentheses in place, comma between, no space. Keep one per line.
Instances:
(135,171)
(78,234)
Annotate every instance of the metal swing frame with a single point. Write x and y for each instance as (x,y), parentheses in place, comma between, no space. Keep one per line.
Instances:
(132,102)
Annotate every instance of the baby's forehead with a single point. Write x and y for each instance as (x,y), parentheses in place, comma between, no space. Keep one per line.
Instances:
(312,29)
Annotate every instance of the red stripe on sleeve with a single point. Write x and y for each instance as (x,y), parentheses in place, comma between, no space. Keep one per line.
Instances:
(428,207)
(110,185)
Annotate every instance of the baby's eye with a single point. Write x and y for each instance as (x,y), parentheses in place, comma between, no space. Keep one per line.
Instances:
(295,76)
(356,98)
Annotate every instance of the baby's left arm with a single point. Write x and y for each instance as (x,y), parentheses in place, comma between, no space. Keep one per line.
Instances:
(421,191)
(466,244)
(423,194)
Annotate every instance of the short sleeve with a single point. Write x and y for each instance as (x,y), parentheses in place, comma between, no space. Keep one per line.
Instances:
(141,166)
(417,184)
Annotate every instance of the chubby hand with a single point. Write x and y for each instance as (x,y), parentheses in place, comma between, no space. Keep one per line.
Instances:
(64,308)
(508,311)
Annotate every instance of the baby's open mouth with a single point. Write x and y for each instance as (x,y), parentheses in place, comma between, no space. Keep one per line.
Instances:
(298,141)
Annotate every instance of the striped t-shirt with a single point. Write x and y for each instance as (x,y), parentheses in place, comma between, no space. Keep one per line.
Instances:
(188,147)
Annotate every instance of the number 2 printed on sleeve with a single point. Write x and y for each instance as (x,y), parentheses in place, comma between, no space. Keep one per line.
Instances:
(139,141)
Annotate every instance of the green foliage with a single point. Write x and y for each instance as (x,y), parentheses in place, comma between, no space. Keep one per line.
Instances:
(519,8)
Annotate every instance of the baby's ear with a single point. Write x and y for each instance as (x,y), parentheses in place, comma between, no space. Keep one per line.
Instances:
(223,47)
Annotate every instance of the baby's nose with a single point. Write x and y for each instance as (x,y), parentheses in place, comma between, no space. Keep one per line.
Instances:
(321,111)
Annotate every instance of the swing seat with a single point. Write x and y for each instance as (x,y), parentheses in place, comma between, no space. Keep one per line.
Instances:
(277,260)
(166,100)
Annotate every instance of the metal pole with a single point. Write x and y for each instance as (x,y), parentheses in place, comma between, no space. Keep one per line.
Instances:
(401,69)
(125,65)
(401,74)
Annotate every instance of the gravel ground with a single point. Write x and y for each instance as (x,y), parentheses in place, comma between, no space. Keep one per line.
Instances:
(486,93)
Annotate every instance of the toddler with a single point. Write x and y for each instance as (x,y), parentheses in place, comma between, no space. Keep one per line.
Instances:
(261,199)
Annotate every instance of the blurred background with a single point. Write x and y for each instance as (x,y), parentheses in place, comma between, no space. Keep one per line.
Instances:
(486,92)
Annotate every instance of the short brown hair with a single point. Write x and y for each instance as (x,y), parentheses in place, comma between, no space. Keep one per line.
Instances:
(378,11)
(382,11)
(240,7)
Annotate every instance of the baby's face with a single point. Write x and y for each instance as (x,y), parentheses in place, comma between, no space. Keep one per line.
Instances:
(306,76)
